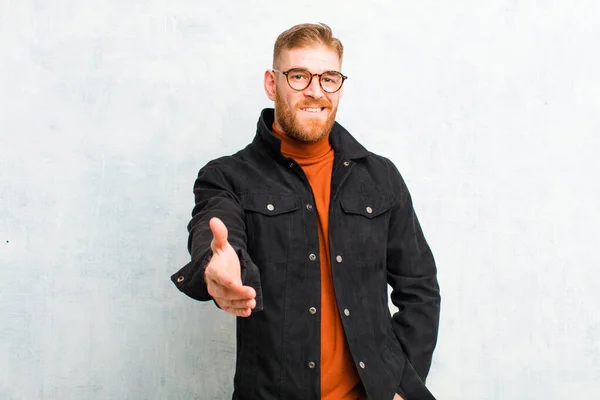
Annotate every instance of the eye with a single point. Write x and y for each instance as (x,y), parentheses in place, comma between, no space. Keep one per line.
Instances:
(298,77)
(331,78)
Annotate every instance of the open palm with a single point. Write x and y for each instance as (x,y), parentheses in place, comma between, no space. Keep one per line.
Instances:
(223,275)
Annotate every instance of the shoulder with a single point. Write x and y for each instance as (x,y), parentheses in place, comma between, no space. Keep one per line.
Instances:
(236,173)
(381,172)
(342,140)
(229,162)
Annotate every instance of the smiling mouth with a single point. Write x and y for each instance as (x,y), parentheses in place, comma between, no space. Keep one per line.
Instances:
(313,109)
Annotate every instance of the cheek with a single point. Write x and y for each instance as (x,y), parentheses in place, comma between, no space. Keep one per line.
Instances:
(286,99)
(335,100)
(293,104)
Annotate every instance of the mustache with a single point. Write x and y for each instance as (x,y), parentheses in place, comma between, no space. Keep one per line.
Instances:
(314,103)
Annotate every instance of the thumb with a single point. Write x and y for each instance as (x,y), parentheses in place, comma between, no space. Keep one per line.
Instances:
(219,231)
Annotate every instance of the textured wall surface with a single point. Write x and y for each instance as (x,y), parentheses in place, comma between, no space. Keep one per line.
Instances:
(491,110)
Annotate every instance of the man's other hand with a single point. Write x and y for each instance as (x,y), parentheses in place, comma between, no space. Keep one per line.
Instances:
(223,275)
(398,397)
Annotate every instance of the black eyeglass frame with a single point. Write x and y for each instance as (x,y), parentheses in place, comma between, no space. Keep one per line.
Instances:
(344,77)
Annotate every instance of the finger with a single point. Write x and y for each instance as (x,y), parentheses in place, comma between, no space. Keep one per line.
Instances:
(215,289)
(219,231)
(245,292)
(243,303)
(238,312)
(241,292)
(249,292)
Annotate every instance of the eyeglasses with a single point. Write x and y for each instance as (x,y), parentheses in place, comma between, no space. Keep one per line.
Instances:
(300,78)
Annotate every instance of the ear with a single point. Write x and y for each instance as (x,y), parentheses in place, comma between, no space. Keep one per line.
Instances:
(270,84)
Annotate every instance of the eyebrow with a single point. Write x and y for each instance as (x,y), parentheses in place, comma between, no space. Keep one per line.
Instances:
(308,69)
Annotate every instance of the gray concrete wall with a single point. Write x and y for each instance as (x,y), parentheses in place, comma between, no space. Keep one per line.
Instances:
(108,109)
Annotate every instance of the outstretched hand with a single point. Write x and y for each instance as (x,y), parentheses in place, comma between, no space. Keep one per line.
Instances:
(223,275)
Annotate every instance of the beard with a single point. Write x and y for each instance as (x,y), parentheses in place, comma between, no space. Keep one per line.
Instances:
(310,131)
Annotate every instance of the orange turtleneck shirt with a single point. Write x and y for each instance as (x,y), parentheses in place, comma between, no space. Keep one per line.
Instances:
(339,379)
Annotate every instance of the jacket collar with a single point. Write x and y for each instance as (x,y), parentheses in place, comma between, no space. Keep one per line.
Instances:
(341,140)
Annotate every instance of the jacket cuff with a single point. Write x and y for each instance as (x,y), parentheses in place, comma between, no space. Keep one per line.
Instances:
(190,279)
(251,277)
(411,386)
(401,392)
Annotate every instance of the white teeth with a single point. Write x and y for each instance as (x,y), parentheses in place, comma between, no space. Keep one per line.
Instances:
(312,109)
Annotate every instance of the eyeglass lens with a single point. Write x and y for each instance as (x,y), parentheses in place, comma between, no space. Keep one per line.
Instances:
(299,79)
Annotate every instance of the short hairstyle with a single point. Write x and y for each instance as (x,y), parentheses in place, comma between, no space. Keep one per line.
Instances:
(305,35)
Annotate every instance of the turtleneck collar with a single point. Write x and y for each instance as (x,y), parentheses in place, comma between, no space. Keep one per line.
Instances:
(298,149)
(340,139)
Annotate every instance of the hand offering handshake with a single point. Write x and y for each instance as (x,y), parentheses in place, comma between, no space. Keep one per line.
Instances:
(223,275)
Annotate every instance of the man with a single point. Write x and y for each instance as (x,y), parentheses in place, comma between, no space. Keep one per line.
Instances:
(299,234)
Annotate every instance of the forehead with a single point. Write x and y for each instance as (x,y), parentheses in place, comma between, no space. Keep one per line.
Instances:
(315,58)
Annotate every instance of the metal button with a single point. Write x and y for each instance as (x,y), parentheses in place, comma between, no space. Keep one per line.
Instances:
(309,207)
(312,310)
(311,365)
(180,279)
(312,257)
(346,163)
(362,365)
(369,210)
(346,312)
(339,259)
(270,207)
(291,165)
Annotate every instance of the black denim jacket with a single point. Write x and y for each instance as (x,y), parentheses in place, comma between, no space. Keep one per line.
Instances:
(375,239)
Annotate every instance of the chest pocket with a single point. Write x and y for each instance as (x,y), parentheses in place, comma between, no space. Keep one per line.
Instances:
(369,206)
(269,222)
(366,216)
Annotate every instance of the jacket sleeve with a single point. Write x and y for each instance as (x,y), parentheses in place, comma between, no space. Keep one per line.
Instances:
(214,197)
(412,274)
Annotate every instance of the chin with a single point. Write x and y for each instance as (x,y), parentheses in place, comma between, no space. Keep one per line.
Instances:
(314,132)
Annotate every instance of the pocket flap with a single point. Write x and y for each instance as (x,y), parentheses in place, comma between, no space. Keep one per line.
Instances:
(369,206)
(268,204)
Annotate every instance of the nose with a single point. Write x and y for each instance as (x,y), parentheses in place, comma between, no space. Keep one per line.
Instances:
(314,90)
